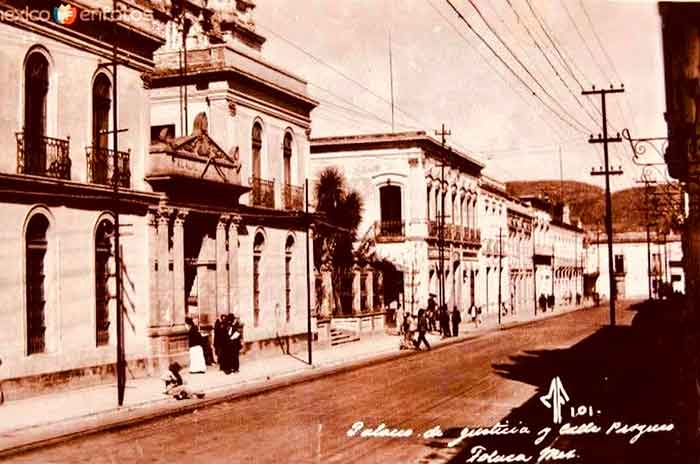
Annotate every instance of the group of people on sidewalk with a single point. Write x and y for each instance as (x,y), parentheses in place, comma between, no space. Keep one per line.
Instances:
(228,341)
(413,328)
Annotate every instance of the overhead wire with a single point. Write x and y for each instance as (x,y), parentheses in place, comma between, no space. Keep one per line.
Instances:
(512,71)
(495,69)
(517,59)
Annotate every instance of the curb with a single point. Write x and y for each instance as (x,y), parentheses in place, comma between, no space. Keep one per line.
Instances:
(148,411)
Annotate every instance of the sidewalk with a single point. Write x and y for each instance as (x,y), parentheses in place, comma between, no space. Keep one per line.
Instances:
(54,417)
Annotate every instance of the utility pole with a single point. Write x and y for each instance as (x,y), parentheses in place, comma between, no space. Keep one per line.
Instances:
(607,172)
(391,82)
(308,267)
(647,190)
(500,271)
(441,240)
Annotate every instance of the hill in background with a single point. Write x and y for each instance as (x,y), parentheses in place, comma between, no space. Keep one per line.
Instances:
(587,202)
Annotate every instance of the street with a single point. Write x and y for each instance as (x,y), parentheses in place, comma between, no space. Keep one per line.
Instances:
(464,384)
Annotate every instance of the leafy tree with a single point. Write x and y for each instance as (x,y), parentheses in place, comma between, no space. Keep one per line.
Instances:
(342,209)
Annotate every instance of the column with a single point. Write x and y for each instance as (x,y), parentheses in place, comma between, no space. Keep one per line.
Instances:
(164,282)
(154,303)
(233,306)
(356,290)
(178,294)
(369,286)
(222,278)
(311,272)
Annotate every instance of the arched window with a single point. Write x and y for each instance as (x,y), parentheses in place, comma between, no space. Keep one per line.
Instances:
(36,89)
(103,254)
(36,250)
(257,147)
(101,104)
(288,277)
(287,155)
(258,245)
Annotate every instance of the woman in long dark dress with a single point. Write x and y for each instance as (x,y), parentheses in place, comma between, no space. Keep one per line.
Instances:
(197,363)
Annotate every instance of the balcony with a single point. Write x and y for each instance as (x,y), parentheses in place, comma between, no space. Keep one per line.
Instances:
(389,230)
(262,193)
(293,197)
(472,236)
(43,156)
(100,166)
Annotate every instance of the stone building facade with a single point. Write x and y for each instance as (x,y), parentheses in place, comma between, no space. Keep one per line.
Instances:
(212,210)
(56,169)
(231,217)
(407,190)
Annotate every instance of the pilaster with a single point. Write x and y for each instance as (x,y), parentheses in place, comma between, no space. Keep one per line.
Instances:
(234,296)
(178,257)
(164,281)
(222,273)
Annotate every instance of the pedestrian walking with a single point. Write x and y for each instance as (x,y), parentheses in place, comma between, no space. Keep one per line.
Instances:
(197,362)
(456,319)
(407,337)
(399,316)
(422,330)
(543,302)
(431,312)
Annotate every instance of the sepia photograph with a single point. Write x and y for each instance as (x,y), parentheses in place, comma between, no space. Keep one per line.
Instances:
(349,231)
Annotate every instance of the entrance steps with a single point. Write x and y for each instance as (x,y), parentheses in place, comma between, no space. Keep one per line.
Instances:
(341,336)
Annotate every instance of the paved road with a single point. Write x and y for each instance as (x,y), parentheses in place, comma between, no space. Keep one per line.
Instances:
(452,386)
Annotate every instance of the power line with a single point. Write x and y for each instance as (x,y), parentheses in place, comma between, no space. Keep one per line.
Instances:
(339,72)
(520,79)
(585,42)
(546,57)
(527,70)
(496,70)
(600,43)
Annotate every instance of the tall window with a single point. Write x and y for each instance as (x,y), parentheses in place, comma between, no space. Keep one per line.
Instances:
(427,210)
(390,210)
(36,248)
(257,253)
(101,103)
(103,254)
(257,147)
(287,155)
(288,277)
(36,89)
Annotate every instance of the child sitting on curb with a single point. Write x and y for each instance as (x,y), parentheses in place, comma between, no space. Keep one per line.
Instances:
(175,386)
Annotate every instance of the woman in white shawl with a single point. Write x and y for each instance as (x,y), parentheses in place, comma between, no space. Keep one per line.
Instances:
(197,362)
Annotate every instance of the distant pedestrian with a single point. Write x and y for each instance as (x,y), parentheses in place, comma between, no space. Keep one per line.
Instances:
(550,301)
(444,322)
(407,338)
(399,316)
(456,319)
(431,312)
(235,336)
(422,330)
(542,302)
(197,363)
(219,338)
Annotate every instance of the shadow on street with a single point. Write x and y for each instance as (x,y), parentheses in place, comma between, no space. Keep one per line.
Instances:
(618,376)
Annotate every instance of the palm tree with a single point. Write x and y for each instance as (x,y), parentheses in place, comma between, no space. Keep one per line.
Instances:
(343,213)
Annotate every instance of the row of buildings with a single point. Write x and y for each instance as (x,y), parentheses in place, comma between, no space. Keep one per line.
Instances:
(211,160)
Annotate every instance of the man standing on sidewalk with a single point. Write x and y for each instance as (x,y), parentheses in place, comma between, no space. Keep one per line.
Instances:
(456,319)
(422,329)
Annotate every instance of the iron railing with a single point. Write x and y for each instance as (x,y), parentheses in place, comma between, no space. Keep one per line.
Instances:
(390,229)
(293,197)
(262,193)
(100,166)
(43,156)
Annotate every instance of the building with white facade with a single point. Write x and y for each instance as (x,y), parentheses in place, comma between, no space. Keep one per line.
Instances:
(632,254)
(407,181)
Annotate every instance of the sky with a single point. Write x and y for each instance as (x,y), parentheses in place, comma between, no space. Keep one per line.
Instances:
(444,74)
